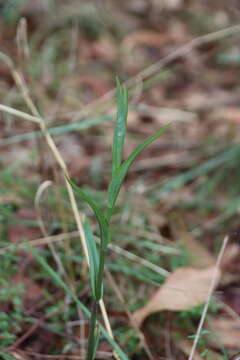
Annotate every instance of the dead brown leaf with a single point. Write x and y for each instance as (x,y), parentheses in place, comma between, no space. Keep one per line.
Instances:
(186,347)
(227,331)
(184,288)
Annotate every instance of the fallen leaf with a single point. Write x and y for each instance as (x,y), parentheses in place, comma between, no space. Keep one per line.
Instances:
(184,288)
(226,331)
(186,346)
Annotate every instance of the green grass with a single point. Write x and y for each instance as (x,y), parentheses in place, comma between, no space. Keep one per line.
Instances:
(214,195)
(12,319)
(120,267)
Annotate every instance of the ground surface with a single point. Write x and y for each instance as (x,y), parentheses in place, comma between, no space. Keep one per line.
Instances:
(180,61)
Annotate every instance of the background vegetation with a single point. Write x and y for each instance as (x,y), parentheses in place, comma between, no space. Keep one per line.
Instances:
(180,62)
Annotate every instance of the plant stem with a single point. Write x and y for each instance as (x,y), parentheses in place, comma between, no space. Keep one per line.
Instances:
(93,338)
(100,272)
(92,334)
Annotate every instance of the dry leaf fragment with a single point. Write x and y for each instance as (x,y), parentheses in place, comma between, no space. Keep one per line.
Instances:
(186,347)
(227,331)
(184,288)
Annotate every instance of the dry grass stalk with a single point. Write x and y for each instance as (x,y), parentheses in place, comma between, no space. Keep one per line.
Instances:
(38,119)
(211,289)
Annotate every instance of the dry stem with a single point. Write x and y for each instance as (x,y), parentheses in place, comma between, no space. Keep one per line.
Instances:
(38,119)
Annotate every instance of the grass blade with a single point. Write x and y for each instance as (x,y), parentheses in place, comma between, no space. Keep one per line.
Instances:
(56,130)
(177,182)
(93,339)
(6,356)
(102,221)
(93,256)
(120,127)
(119,176)
(59,282)
(104,236)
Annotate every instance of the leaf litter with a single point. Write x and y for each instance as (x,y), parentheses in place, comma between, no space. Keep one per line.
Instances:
(196,88)
(184,288)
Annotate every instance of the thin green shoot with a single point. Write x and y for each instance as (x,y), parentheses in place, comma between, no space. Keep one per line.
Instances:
(120,128)
(103,215)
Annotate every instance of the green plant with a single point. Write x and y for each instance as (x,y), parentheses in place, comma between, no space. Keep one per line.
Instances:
(6,356)
(103,216)
(129,338)
(59,282)
(10,297)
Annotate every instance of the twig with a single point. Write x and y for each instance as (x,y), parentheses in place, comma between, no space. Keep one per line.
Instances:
(211,289)
(20,114)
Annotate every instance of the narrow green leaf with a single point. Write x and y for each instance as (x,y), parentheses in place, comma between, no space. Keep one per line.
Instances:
(93,337)
(59,282)
(120,127)
(6,356)
(58,130)
(53,274)
(93,256)
(119,176)
(92,352)
(102,222)
(97,338)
